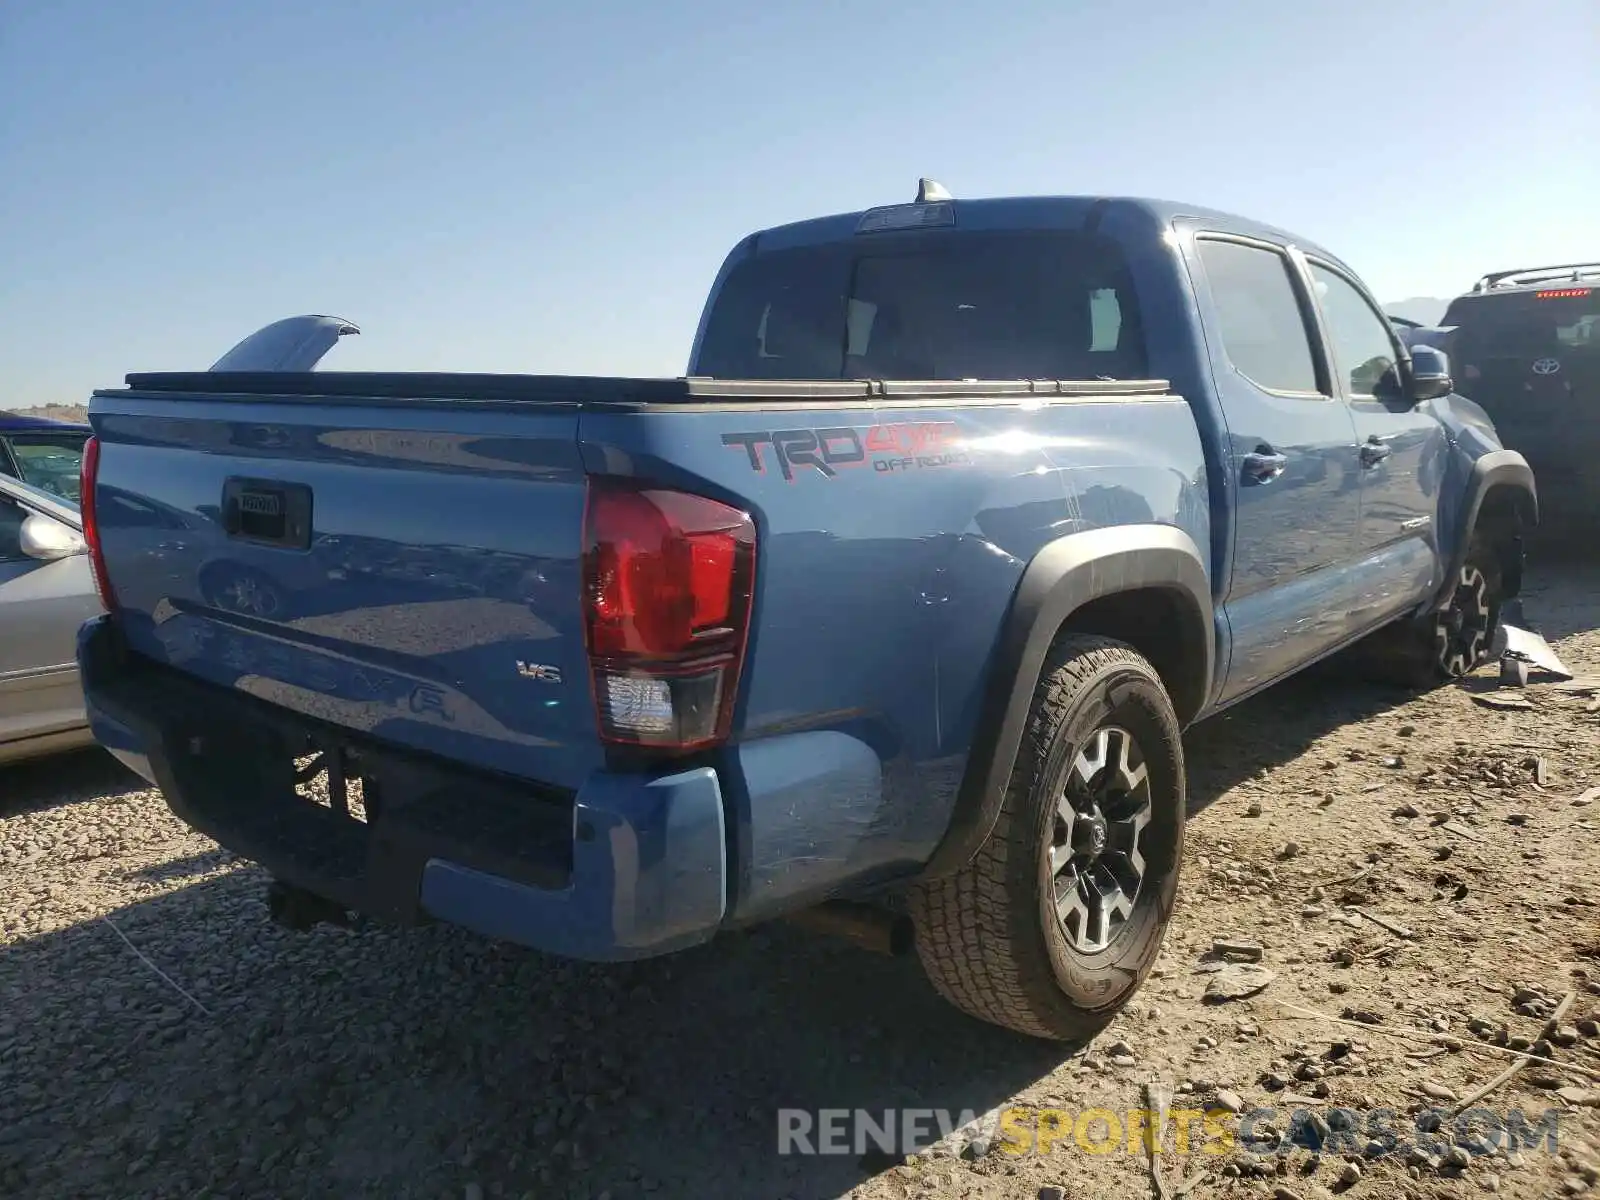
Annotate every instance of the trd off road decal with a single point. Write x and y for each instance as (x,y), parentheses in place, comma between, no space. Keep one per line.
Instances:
(889,449)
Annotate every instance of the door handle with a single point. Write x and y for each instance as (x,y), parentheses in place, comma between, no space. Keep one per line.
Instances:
(1263,465)
(1374,452)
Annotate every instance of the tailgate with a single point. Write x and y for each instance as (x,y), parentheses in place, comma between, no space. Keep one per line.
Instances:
(410,571)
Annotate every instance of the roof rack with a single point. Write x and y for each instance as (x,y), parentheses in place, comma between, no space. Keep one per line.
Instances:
(1526,275)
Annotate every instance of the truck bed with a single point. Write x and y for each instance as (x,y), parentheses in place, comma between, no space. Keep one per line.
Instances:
(433,600)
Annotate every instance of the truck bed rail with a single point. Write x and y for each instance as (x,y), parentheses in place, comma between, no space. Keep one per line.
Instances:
(577,391)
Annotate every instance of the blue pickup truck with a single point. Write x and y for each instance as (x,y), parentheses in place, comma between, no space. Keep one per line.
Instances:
(886,617)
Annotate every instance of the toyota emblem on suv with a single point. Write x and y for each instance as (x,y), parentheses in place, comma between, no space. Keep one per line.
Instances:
(1546,366)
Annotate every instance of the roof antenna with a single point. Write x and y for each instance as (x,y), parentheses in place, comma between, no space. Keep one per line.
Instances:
(929,190)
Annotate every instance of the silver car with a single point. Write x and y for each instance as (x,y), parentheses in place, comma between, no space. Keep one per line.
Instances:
(46,593)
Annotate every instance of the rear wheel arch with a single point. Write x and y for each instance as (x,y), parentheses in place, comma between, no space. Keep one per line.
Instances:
(1164,625)
(1144,585)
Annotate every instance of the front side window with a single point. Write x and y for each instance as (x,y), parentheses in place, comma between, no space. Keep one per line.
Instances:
(946,306)
(1363,351)
(1260,320)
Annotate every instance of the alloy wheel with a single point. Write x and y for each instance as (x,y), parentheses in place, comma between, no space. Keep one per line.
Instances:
(1463,631)
(1094,857)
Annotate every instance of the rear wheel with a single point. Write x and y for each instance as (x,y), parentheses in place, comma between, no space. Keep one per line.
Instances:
(1060,915)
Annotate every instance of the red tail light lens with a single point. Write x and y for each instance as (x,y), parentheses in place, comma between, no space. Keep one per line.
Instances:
(88,472)
(668,580)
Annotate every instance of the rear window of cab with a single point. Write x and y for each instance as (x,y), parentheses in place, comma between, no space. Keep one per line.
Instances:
(951,306)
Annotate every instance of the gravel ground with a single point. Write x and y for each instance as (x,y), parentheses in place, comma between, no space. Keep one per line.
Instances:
(158,1037)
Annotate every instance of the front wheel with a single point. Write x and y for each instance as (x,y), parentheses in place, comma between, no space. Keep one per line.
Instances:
(1464,632)
(1059,917)
(1424,652)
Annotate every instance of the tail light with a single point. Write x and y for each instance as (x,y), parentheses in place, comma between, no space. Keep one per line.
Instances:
(89,471)
(668,580)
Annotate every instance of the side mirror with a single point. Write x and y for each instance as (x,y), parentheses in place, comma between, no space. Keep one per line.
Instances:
(47,540)
(1430,373)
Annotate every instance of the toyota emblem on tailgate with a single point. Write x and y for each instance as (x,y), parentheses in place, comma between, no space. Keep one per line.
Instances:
(1546,366)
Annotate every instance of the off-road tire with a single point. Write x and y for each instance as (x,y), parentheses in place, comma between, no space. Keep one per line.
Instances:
(988,936)
(1429,651)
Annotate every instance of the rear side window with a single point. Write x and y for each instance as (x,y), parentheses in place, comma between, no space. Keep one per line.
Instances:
(1260,320)
(944,306)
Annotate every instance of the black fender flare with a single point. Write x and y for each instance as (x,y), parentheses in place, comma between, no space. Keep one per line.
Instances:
(1497,468)
(1063,577)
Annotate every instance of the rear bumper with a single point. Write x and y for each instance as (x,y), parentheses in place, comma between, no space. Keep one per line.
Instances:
(629,867)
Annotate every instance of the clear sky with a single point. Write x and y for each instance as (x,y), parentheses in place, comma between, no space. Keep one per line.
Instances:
(536,186)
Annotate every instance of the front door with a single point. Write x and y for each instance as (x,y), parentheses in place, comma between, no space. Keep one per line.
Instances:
(1294,480)
(1402,446)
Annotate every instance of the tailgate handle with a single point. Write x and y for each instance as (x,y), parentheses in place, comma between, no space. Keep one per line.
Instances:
(270,512)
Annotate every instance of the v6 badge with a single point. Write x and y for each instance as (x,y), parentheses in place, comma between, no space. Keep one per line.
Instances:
(539,672)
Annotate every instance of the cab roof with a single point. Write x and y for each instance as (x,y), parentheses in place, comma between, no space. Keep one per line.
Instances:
(1039,213)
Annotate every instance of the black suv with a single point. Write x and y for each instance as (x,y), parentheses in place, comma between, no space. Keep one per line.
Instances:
(1525,345)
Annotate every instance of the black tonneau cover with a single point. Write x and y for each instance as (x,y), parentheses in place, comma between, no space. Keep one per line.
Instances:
(582,390)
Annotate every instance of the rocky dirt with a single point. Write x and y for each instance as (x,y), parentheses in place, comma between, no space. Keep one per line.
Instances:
(1424,869)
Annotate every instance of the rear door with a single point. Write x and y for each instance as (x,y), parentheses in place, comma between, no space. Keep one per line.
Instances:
(1402,446)
(1292,448)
